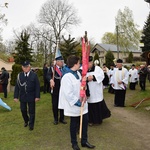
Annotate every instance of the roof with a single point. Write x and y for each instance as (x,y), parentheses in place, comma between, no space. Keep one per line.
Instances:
(112,48)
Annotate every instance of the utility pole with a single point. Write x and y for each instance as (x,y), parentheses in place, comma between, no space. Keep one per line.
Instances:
(117,42)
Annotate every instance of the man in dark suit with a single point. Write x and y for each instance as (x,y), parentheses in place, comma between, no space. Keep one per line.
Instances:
(4,80)
(54,76)
(27,89)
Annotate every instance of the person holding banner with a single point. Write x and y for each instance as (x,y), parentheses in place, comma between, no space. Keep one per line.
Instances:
(69,100)
(97,108)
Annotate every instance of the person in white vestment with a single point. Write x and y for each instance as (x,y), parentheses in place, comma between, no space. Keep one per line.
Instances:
(133,77)
(96,105)
(69,100)
(106,78)
(110,73)
(119,82)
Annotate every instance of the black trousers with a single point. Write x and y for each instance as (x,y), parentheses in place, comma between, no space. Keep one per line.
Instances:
(74,125)
(132,85)
(46,87)
(142,84)
(55,99)
(28,112)
(4,87)
(120,98)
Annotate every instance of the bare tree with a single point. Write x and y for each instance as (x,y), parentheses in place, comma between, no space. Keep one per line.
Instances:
(3,20)
(41,39)
(58,16)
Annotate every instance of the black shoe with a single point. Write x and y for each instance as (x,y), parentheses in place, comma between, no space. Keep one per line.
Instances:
(88,145)
(31,128)
(64,122)
(25,124)
(55,122)
(75,147)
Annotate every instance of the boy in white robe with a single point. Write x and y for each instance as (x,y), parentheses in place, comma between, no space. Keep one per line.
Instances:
(69,100)
(133,77)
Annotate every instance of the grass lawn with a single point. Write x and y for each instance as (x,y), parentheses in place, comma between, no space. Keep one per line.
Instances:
(46,136)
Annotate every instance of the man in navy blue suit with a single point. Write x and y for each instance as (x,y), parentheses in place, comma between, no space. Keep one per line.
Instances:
(27,90)
(4,80)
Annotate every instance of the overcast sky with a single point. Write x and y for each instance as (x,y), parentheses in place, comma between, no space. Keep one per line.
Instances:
(97,16)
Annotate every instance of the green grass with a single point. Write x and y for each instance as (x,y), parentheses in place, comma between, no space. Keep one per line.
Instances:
(46,136)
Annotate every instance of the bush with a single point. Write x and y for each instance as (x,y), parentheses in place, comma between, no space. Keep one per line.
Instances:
(16,68)
(40,76)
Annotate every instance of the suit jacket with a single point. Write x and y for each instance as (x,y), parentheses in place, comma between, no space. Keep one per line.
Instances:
(27,89)
(4,77)
(57,79)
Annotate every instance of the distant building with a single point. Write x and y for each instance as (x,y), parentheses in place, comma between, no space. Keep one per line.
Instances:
(102,49)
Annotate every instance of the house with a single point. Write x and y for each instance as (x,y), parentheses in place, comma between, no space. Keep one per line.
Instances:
(102,49)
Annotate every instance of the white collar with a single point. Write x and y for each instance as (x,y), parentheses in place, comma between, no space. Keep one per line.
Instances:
(27,73)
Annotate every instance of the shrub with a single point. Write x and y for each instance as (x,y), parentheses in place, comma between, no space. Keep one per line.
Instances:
(16,68)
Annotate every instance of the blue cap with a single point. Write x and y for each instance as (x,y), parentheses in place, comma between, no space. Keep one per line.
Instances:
(26,63)
(58,55)
(59,58)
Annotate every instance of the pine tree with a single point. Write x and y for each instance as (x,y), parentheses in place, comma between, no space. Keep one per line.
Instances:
(130,57)
(146,35)
(109,57)
(68,47)
(96,57)
(23,48)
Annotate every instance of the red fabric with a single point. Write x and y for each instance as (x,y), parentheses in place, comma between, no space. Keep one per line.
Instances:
(85,61)
(58,71)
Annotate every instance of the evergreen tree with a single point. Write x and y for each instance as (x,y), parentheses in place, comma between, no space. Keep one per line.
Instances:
(69,47)
(109,57)
(96,57)
(130,57)
(146,35)
(23,48)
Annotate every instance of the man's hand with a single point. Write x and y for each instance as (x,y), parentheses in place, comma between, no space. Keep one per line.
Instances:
(37,99)
(52,83)
(120,82)
(90,78)
(15,99)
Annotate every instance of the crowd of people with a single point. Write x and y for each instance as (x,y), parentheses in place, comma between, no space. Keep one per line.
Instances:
(63,82)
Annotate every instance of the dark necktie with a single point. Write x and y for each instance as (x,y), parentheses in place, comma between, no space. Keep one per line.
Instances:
(26,76)
(60,70)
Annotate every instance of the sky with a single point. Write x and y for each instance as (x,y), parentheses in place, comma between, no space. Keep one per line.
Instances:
(97,16)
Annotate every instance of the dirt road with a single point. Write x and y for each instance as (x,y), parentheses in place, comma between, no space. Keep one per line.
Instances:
(127,129)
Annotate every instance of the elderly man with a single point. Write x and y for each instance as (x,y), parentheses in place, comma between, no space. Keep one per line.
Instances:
(54,76)
(27,89)
(119,82)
